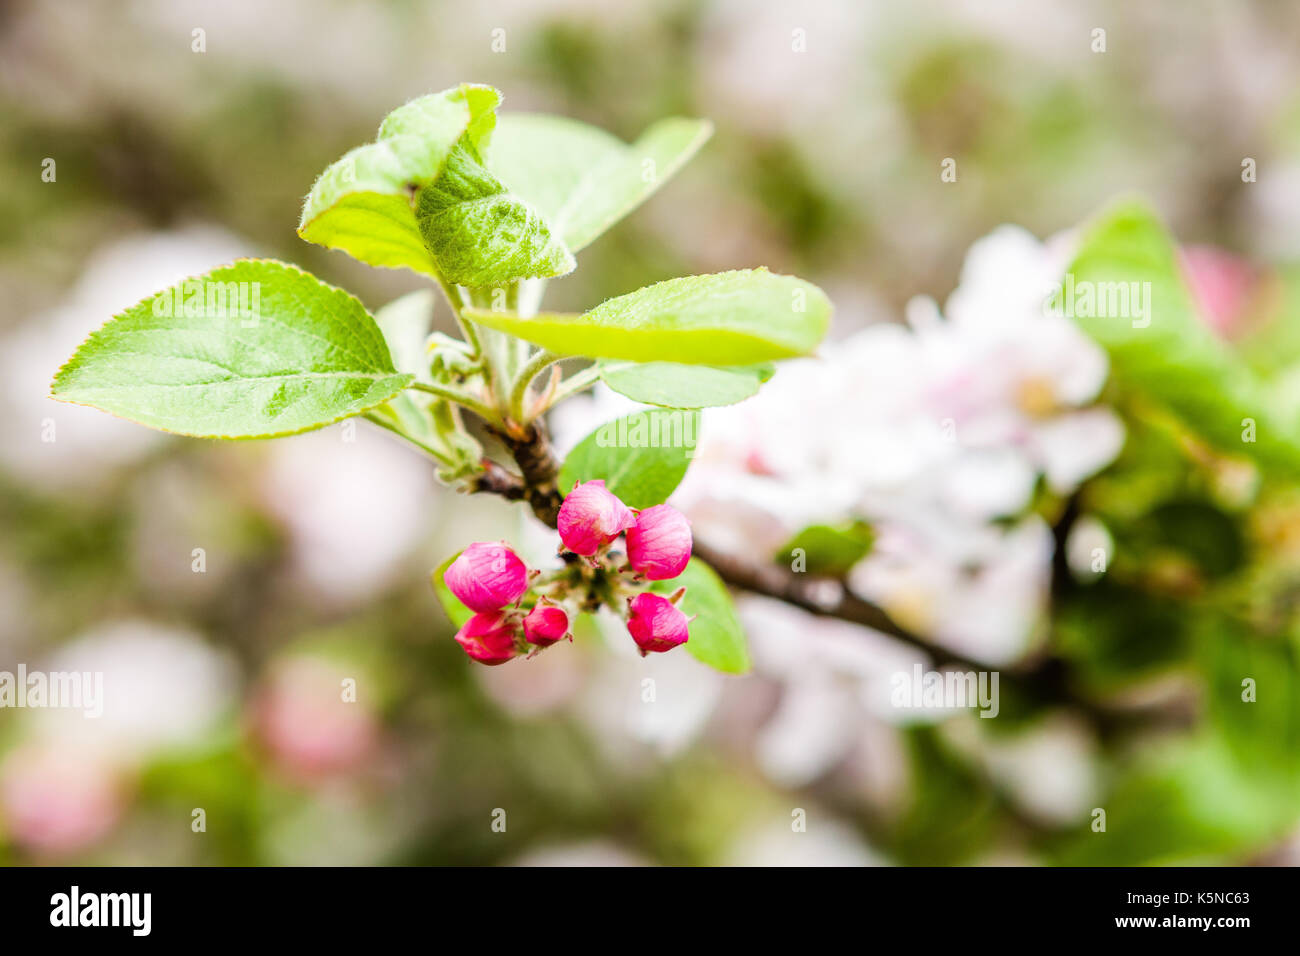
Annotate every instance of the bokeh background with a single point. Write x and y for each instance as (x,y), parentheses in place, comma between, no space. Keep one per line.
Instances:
(227,589)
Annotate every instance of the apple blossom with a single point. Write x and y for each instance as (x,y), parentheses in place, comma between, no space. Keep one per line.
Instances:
(488,638)
(659,544)
(487,577)
(545,624)
(655,623)
(591,517)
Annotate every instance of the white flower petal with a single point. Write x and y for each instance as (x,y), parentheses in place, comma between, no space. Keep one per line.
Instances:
(1077,446)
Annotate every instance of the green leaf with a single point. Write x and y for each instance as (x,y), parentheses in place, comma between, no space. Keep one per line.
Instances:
(1170,354)
(642,458)
(730,318)
(480,235)
(717,639)
(419,197)
(292,354)
(442,119)
(582,179)
(364,203)
(684,386)
(456,612)
(546,160)
(830,549)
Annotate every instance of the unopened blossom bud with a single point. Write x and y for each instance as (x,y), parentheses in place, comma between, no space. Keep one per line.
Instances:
(487,577)
(545,624)
(488,638)
(655,623)
(659,544)
(591,517)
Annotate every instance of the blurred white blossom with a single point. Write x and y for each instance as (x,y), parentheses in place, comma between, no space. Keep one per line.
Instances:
(52,444)
(929,433)
(661,702)
(356,504)
(826,842)
(588,853)
(66,783)
(164,689)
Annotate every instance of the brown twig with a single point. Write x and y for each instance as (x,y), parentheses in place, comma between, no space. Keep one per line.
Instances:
(1044,678)
(538,471)
(826,597)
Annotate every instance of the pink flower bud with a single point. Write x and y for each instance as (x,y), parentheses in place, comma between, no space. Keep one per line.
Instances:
(591,517)
(487,577)
(545,624)
(659,545)
(655,623)
(487,638)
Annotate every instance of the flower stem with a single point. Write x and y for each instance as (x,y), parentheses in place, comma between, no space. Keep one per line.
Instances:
(474,404)
(575,383)
(519,391)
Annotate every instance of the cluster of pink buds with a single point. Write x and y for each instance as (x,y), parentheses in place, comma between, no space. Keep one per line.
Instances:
(491,580)
(494,582)
(658,539)
(658,549)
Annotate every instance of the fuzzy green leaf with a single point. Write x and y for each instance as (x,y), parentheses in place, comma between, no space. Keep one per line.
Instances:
(582,179)
(671,385)
(419,197)
(480,235)
(364,203)
(641,458)
(441,119)
(294,355)
(716,637)
(730,318)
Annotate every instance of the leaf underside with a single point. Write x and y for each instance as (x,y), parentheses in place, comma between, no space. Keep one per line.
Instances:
(729,318)
(582,179)
(672,385)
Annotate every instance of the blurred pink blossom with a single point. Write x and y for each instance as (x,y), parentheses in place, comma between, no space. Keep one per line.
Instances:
(58,800)
(1223,285)
(311,730)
